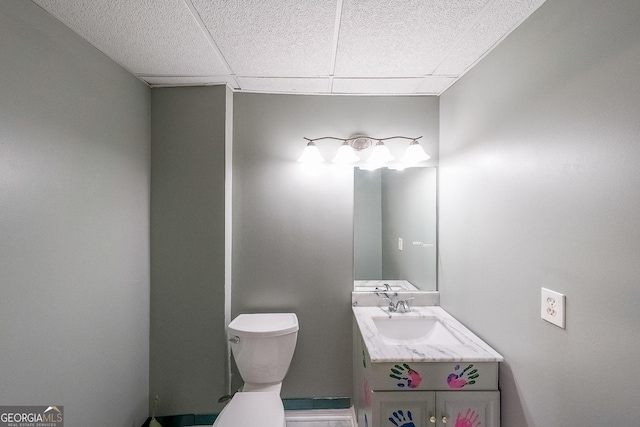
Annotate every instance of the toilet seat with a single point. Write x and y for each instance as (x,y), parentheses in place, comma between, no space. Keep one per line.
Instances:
(259,409)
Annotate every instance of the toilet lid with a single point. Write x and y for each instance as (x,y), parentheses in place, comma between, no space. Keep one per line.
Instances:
(264,325)
(256,409)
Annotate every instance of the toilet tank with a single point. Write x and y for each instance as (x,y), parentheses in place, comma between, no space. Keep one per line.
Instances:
(264,346)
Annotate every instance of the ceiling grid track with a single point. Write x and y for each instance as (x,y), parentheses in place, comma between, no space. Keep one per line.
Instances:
(336,37)
(212,42)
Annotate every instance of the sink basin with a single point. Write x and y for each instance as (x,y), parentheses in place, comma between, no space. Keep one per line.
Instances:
(397,330)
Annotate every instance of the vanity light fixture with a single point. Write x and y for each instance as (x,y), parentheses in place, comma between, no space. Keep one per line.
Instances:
(380,154)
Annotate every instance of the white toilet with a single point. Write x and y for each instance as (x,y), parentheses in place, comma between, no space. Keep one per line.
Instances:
(262,346)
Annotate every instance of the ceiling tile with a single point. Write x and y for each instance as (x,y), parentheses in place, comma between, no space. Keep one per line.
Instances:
(400,38)
(500,19)
(272,38)
(284,85)
(374,86)
(392,47)
(145,36)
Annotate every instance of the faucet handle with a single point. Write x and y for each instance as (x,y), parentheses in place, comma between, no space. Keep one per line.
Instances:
(393,306)
(403,305)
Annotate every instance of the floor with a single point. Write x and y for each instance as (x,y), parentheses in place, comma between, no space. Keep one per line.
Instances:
(321,418)
(318,418)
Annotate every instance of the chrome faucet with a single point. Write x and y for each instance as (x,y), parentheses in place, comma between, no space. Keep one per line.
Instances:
(399,306)
(385,295)
(386,287)
(395,305)
(402,306)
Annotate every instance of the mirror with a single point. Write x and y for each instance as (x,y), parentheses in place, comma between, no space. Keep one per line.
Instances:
(395,229)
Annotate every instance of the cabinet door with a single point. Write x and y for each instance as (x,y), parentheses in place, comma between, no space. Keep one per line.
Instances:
(468,409)
(402,409)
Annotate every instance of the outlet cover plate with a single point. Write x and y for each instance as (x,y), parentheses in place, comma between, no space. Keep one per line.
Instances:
(552,307)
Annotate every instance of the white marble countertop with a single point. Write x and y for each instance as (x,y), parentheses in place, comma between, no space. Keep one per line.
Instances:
(470,349)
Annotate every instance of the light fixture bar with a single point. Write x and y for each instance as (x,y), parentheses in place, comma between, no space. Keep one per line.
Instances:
(362,136)
(379,156)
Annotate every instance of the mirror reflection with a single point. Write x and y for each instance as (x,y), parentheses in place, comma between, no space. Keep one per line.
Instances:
(395,229)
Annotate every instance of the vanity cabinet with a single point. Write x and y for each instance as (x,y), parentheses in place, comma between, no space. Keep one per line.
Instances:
(434,409)
(420,393)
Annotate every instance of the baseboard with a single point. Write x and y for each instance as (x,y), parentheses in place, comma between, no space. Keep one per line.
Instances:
(184,420)
(305,404)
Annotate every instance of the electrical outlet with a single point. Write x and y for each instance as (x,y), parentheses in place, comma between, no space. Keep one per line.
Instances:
(552,307)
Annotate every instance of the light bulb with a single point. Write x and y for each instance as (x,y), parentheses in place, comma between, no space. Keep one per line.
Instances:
(415,153)
(345,154)
(311,154)
(380,154)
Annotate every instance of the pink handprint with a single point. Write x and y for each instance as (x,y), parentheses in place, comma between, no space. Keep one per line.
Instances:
(410,378)
(470,419)
(366,393)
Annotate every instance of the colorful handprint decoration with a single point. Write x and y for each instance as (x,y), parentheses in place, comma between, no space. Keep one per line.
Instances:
(399,419)
(407,377)
(465,377)
(366,393)
(470,419)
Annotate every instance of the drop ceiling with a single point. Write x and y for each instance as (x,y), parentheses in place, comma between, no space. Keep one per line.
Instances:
(356,47)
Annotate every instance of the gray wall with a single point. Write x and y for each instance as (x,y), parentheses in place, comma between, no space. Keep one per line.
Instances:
(540,187)
(74,228)
(188,345)
(292,231)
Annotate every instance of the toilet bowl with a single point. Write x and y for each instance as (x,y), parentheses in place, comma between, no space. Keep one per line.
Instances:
(252,409)
(262,346)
